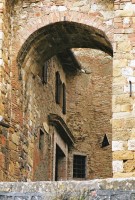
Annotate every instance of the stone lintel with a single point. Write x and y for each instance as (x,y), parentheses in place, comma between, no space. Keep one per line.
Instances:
(62,128)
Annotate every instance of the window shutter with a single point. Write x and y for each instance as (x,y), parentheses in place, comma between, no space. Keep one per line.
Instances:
(41,140)
(64,99)
(45,69)
(58,88)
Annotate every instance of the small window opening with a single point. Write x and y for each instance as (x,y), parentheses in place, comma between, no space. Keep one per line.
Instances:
(105,141)
(64,99)
(60,93)
(41,140)
(79,166)
(45,70)
(58,88)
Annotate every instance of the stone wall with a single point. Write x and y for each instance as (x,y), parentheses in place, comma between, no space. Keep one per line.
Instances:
(86,190)
(123,144)
(19,21)
(5,83)
(24,108)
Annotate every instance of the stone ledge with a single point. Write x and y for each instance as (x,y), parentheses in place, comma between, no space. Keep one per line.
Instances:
(123,188)
(88,195)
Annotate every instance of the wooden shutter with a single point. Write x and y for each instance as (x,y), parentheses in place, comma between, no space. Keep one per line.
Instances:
(41,140)
(58,88)
(45,69)
(64,99)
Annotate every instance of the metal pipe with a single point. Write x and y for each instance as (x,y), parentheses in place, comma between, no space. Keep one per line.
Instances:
(4,125)
(130,88)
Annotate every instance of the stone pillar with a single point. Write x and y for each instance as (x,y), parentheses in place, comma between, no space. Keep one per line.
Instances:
(123,99)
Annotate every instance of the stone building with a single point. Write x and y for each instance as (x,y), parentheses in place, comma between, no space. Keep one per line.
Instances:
(67,89)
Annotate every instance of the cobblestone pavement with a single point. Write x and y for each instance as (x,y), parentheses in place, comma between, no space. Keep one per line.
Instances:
(94,195)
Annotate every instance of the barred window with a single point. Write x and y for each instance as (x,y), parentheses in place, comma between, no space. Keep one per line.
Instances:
(79,166)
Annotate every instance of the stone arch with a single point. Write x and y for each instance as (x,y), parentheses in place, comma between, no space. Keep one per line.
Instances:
(32,31)
(29,39)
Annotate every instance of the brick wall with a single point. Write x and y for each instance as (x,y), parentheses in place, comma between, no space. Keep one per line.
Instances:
(38,103)
(89,111)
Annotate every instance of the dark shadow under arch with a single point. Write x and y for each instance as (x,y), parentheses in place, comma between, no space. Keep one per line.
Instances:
(58,38)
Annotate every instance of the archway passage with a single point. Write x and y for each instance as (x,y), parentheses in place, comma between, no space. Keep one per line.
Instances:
(58,38)
(58,49)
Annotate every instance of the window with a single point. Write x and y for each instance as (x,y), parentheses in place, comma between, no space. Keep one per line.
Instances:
(64,99)
(79,166)
(60,93)
(58,88)
(41,140)
(45,69)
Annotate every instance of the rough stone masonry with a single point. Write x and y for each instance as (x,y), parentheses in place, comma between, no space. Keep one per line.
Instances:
(115,189)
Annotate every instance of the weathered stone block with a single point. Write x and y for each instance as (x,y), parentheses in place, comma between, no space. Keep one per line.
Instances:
(11,168)
(2,160)
(119,135)
(124,13)
(124,46)
(131,145)
(120,37)
(126,108)
(132,63)
(62,8)
(117,123)
(12,146)
(126,20)
(132,134)
(1,108)
(120,63)
(78,4)
(15,138)
(118,145)
(116,108)
(117,72)
(123,99)
(1,35)
(117,166)
(127,71)
(123,155)
(124,175)
(119,80)
(129,166)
